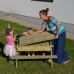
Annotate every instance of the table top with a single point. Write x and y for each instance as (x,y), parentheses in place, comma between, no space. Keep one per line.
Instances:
(36,38)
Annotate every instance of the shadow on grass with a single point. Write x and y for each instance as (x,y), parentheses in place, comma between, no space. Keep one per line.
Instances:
(1,49)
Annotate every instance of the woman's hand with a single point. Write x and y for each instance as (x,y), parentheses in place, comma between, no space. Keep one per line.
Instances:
(57,36)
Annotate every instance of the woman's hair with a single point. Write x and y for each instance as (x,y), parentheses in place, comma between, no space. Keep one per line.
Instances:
(8,31)
(44,11)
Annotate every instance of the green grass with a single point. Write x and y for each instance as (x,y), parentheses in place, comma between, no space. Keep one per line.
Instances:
(33,66)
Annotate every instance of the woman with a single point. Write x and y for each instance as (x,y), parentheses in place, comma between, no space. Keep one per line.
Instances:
(60,35)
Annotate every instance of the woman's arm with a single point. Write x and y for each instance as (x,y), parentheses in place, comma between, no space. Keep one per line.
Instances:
(42,29)
(58,29)
(39,31)
(57,25)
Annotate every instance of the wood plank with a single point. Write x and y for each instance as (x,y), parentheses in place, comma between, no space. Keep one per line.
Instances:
(34,57)
(37,35)
(34,48)
(35,38)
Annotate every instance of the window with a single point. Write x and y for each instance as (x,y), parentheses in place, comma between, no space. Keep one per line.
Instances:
(44,0)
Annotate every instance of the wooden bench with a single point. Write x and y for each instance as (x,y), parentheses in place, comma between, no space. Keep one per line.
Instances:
(34,43)
(35,48)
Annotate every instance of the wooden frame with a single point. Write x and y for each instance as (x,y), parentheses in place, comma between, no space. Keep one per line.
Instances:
(31,43)
(27,48)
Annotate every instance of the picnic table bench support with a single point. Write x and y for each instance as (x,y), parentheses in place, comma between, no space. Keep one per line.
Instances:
(16,62)
(49,57)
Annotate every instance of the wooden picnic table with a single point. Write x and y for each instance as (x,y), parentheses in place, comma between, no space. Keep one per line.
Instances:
(35,42)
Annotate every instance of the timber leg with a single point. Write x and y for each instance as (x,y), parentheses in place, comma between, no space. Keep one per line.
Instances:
(51,59)
(16,63)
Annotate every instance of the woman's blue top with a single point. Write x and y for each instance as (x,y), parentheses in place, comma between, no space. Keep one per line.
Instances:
(53,27)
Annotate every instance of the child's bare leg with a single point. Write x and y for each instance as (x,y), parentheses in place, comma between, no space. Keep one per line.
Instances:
(28,54)
(32,54)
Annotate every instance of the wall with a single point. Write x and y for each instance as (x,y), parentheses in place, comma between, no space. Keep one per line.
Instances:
(61,9)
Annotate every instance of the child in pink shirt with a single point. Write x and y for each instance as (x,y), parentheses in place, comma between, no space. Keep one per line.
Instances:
(9,49)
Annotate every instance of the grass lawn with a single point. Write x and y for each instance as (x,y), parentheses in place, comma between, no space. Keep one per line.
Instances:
(33,66)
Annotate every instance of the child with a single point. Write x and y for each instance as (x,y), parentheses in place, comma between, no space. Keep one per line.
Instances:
(9,49)
(30,31)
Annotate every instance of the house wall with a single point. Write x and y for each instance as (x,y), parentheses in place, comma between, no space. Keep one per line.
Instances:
(61,9)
